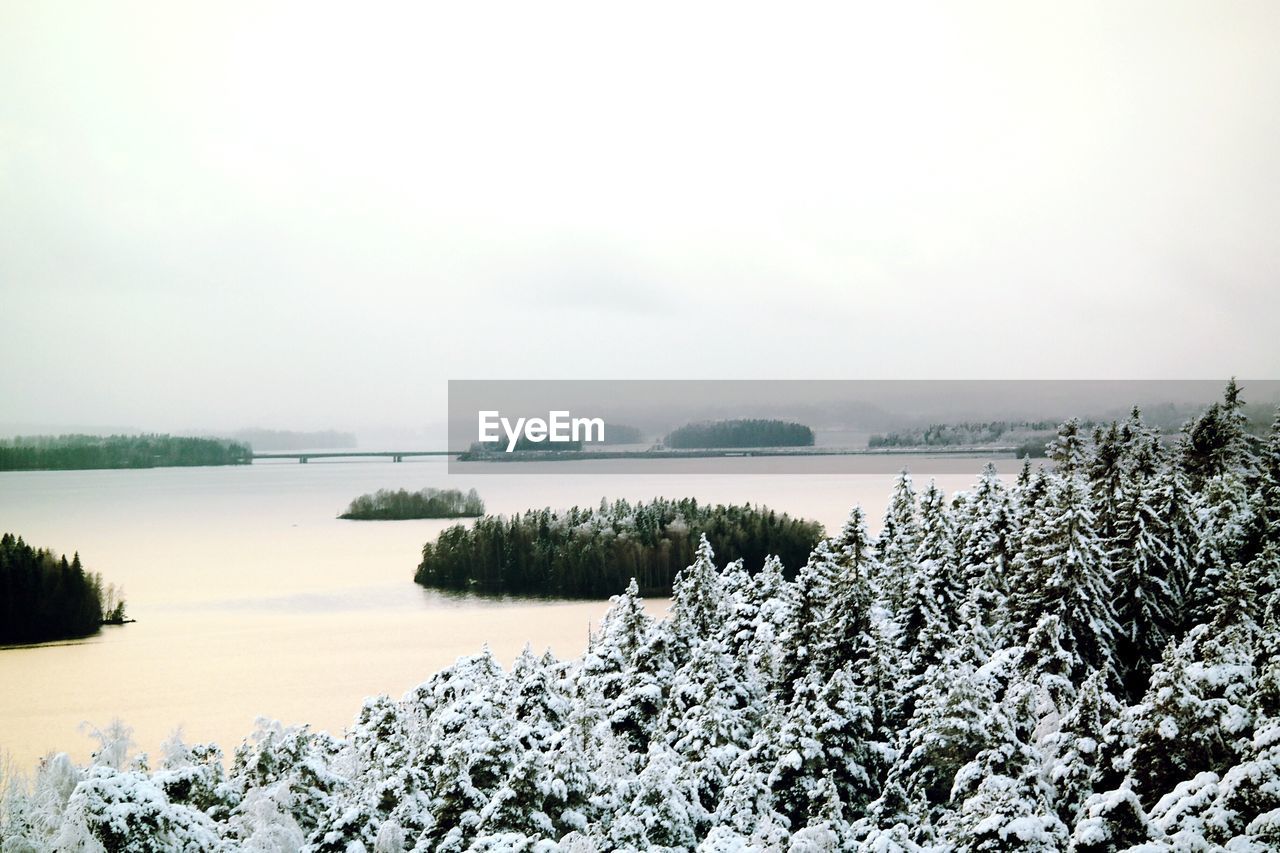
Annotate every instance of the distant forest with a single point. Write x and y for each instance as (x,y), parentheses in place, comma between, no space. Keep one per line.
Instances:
(740,433)
(949,435)
(82,452)
(595,552)
(387,505)
(43,597)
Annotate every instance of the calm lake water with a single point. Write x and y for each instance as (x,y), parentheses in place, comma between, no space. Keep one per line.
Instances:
(253,599)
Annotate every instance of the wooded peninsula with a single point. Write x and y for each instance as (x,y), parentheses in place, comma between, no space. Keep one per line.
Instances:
(43,597)
(85,452)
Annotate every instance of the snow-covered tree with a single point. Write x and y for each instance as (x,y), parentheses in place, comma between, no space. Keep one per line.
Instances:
(898,541)
(1195,716)
(1074,749)
(1064,570)
(1145,562)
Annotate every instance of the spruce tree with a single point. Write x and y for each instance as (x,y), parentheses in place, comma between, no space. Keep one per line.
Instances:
(898,541)
(1068,574)
(1145,563)
(1069,450)
(985,537)
(1076,747)
(846,617)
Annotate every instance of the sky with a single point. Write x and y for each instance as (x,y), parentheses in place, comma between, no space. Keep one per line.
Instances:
(306,216)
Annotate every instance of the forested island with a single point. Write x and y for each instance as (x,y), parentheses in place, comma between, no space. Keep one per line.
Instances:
(44,597)
(1085,660)
(83,452)
(387,505)
(750,432)
(584,552)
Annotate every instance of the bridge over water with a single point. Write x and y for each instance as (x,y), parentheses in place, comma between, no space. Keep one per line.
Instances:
(393,455)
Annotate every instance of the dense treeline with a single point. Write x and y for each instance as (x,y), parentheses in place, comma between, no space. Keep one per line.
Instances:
(950,435)
(43,597)
(740,433)
(384,505)
(1084,661)
(592,553)
(67,452)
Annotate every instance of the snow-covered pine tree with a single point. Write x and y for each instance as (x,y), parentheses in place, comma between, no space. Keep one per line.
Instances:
(695,602)
(1147,604)
(613,648)
(951,724)
(936,554)
(1195,715)
(645,684)
(1001,803)
(1049,668)
(1069,451)
(1106,470)
(1113,821)
(984,534)
(740,608)
(768,595)
(659,809)
(1269,482)
(802,638)
(846,617)
(1065,570)
(1223,522)
(1216,442)
(899,538)
(469,749)
(934,594)
(1075,748)
(709,720)
(877,670)
(822,740)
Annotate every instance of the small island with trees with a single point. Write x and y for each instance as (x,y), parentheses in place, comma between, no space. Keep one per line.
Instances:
(583,552)
(401,504)
(43,597)
(85,452)
(750,432)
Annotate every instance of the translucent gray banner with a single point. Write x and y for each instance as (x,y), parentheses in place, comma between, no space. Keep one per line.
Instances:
(798,426)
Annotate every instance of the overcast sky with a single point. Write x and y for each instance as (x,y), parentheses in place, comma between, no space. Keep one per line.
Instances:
(223,214)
